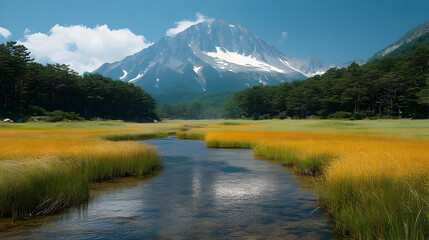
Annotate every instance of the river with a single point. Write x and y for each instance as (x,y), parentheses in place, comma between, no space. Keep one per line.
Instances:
(201,194)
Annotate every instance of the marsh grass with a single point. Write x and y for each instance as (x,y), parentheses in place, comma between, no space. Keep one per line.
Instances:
(135,136)
(191,135)
(196,125)
(43,185)
(111,124)
(373,187)
(229,144)
(378,207)
(45,167)
(313,165)
(229,123)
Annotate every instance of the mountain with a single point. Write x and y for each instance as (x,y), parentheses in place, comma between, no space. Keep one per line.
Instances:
(210,56)
(410,41)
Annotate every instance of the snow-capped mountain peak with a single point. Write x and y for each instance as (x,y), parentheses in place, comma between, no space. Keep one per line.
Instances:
(209,56)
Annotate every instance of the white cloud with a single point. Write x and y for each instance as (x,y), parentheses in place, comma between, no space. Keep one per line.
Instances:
(83,48)
(4,32)
(184,24)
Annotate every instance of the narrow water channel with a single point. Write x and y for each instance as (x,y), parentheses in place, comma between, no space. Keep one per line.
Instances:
(201,194)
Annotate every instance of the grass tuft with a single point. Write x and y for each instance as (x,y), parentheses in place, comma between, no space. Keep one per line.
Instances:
(229,144)
(135,136)
(229,123)
(378,207)
(312,165)
(191,135)
(45,185)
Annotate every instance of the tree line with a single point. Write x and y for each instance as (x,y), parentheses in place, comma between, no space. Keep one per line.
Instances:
(29,88)
(386,87)
(191,105)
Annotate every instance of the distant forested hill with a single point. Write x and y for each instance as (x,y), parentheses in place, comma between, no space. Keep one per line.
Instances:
(191,105)
(29,88)
(386,87)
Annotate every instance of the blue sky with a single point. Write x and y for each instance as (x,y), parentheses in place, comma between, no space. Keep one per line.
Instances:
(334,31)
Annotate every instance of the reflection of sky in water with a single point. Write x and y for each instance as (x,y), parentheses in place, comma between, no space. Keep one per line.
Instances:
(228,188)
(196,182)
(201,193)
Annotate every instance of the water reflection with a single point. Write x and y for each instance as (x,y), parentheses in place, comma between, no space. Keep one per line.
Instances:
(201,194)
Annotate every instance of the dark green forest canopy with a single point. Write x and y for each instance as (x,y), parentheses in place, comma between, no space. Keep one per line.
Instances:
(29,88)
(392,87)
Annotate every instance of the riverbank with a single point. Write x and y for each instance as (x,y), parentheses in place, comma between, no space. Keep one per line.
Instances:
(45,167)
(371,176)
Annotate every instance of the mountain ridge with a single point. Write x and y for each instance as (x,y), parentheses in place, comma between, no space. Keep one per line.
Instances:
(211,56)
(409,37)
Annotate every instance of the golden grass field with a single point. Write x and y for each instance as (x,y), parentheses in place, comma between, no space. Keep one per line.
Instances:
(373,184)
(353,155)
(371,177)
(45,167)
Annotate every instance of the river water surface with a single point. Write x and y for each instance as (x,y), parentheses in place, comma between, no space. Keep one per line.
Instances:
(201,194)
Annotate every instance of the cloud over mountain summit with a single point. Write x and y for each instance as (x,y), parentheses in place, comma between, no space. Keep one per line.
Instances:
(185,24)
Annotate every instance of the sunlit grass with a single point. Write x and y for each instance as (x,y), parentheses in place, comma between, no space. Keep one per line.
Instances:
(46,167)
(44,183)
(135,136)
(377,207)
(374,187)
(373,176)
(193,134)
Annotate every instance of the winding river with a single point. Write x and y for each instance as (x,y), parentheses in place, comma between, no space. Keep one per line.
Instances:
(201,194)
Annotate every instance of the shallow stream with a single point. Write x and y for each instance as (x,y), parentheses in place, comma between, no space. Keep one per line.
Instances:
(201,194)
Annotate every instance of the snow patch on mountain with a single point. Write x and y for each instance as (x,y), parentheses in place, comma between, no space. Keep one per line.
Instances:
(123,76)
(288,64)
(197,70)
(223,58)
(136,78)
